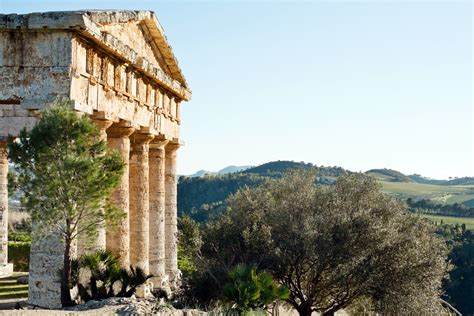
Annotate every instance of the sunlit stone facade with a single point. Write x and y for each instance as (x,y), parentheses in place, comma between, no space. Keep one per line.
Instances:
(117,67)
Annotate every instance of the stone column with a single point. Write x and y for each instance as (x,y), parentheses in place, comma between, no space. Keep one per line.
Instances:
(171,216)
(3,204)
(84,244)
(118,238)
(157,213)
(139,201)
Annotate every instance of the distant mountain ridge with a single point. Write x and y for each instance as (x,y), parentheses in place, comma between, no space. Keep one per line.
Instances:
(226,170)
(384,174)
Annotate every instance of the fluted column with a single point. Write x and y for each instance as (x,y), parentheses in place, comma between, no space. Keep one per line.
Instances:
(118,238)
(171,215)
(84,244)
(157,213)
(3,204)
(139,201)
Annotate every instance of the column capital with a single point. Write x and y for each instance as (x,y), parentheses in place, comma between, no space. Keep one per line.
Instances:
(158,143)
(101,123)
(172,146)
(119,131)
(141,138)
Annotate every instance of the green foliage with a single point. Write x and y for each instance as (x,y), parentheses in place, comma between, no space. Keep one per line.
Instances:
(389,175)
(204,197)
(19,236)
(189,242)
(459,288)
(276,169)
(106,276)
(330,245)
(426,206)
(249,290)
(65,174)
(19,254)
(73,187)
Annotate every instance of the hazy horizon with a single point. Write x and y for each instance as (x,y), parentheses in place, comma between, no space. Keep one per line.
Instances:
(356,84)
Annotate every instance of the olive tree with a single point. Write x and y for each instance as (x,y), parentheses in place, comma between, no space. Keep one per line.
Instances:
(65,174)
(331,246)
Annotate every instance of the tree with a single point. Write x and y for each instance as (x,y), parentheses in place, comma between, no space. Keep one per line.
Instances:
(65,174)
(460,285)
(331,246)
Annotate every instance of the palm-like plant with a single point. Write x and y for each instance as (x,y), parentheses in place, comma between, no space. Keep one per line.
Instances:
(131,280)
(105,272)
(249,290)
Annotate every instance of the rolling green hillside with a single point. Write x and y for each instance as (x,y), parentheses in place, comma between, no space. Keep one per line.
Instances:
(439,193)
(202,197)
(389,175)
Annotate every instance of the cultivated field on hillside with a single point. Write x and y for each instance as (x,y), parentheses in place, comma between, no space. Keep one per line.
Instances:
(451,220)
(449,194)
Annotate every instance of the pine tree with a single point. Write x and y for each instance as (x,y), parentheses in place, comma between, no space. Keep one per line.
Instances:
(66,174)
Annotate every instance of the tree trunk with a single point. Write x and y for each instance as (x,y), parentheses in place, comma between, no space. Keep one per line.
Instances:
(65,280)
(304,310)
(330,312)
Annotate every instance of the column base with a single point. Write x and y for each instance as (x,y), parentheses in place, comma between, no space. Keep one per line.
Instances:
(6,270)
(174,282)
(145,290)
(162,283)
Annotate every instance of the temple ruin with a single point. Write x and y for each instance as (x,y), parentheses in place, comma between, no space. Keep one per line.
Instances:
(118,68)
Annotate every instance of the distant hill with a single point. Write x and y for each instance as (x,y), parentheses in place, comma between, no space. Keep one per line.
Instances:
(456,181)
(226,170)
(389,175)
(201,173)
(278,167)
(202,195)
(232,169)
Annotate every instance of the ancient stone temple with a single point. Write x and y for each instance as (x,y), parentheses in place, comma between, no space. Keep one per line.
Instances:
(117,67)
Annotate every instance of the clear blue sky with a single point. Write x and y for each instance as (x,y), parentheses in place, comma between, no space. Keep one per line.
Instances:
(366,84)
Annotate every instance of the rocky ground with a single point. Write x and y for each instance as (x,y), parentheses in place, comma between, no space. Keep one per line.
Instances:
(110,306)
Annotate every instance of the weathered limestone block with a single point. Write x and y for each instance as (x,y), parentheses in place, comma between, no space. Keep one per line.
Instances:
(157,213)
(46,258)
(46,261)
(39,60)
(118,238)
(171,216)
(139,201)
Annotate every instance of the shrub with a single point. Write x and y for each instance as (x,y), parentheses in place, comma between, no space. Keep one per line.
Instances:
(106,277)
(249,290)
(19,255)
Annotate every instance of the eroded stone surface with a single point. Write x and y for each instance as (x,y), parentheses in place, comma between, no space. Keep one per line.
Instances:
(171,216)
(139,201)
(118,67)
(118,237)
(157,213)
